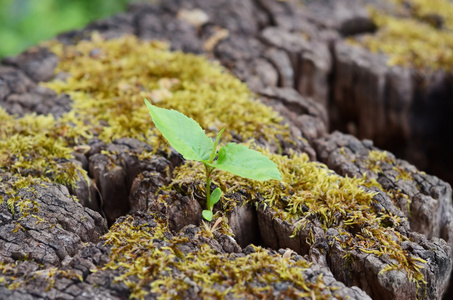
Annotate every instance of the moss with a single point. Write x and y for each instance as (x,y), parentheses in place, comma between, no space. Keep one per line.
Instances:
(402,174)
(107,82)
(310,191)
(151,261)
(14,279)
(437,13)
(375,159)
(110,79)
(34,150)
(304,183)
(37,146)
(417,33)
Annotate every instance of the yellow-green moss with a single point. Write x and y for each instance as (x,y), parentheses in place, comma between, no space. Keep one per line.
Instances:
(35,150)
(107,81)
(148,267)
(374,162)
(375,158)
(12,280)
(110,79)
(37,146)
(304,183)
(437,13)
(417,33)
(310,190)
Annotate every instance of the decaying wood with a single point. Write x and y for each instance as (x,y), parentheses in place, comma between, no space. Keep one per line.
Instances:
(295,58)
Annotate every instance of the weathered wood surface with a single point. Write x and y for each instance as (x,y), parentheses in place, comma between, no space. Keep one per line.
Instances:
(293,57)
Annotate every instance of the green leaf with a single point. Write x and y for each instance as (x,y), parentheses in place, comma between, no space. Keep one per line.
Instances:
(215,196)
(207,214)
(247,163)
(182,132)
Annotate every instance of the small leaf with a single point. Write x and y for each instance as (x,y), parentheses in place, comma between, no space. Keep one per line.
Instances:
(215,196)
(207,214)
(247,163)
(182,132)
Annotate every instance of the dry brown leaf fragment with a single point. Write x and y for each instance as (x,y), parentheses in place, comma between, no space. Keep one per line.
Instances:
(213,40)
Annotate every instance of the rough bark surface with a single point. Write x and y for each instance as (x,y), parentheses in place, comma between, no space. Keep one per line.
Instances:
(52,233)
(398,108)
(295,58)
(428,202)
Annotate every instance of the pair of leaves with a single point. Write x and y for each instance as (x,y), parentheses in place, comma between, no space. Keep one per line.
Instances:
(188,138)
(215,197)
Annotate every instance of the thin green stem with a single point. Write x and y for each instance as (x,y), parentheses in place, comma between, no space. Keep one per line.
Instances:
(214,149)
(209,170)
(208,185)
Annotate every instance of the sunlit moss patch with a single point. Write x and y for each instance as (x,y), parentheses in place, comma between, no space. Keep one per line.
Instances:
(310,192)
(376,159)
(23,203)
(153,261)
(418,33)
(35,150)
(437,13)
(12,278)
(38,146)
(110,79)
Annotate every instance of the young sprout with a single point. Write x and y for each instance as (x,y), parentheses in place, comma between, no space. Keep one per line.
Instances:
(188,138)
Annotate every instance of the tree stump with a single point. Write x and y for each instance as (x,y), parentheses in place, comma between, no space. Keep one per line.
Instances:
(95,204)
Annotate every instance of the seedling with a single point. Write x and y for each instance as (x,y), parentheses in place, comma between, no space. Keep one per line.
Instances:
(188,138)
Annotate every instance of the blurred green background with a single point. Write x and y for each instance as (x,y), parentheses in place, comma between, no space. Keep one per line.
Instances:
(24,23)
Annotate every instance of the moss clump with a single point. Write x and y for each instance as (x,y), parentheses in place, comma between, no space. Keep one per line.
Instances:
(35,150)
(37,146)
(15,279)
(24,203)
(418,33)
(109,80)
(153,261)
(311,192)
(304,184)
(375,159)
(437,13)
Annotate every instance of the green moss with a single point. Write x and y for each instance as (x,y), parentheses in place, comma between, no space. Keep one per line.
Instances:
(375,159)
(374,162)
(14,279)
(437,13)
(107,82)
(308,191)
(110,79)
(417,33)
(151,261)
(34,150)
(402,174)
(304,183)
